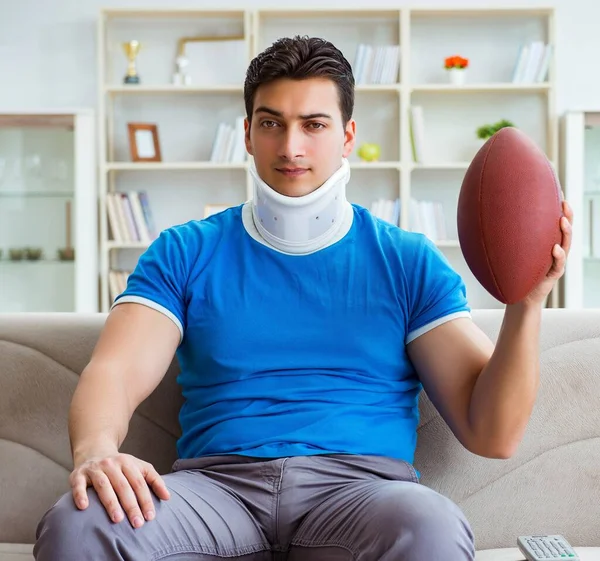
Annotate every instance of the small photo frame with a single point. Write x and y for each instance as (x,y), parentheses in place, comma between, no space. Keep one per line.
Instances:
(211,209)
(143,142)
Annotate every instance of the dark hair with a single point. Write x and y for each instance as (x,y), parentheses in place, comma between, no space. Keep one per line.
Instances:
(300,58)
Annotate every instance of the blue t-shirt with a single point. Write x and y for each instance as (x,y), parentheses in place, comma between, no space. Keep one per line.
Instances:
(285,355)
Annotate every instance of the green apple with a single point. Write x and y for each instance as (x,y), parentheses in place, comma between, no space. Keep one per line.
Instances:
(369,152)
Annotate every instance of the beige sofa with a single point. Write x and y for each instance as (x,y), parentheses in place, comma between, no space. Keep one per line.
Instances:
(552,485)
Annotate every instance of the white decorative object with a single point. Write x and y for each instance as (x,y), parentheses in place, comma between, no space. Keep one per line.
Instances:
(457,76)
(181,77)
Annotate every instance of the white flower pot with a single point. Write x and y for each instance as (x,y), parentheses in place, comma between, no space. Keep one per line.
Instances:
(457,76)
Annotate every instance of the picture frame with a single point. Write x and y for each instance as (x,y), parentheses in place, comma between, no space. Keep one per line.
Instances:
(144,144)
(214,208)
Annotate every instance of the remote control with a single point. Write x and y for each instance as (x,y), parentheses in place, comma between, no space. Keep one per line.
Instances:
(540,548)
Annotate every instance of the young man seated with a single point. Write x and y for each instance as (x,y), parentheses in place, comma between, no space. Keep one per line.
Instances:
(305,329)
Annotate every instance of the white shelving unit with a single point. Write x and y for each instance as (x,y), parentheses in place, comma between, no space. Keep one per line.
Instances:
(48,203)
(580,176)
(188,116)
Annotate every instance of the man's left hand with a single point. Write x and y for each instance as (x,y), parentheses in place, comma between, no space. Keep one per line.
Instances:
(559,253)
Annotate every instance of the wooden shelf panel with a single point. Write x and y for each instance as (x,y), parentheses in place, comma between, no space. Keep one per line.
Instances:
(480,88)
(171,89)
(482,12)
(111,245)
(30,262)
(37,120)
(329,12)
(171,166)
(375,165)
(25,193)
(225,88)
(171,13)
(416,88)
(442,166)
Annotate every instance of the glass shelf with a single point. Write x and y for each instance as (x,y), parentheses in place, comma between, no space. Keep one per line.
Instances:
(35,194)
(34,262)
(39,196)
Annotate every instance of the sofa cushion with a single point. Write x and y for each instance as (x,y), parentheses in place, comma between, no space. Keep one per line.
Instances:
(513,554)
(23,552)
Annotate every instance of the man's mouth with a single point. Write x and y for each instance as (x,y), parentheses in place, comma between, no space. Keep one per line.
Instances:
(292,172)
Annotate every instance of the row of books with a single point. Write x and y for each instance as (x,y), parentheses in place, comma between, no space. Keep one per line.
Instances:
(376,64)
(129,217)
(426,217)
(532,63)
(229,146)
(386,209)
(117,283)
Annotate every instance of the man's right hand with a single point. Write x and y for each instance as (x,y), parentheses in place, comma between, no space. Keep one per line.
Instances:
(123,484)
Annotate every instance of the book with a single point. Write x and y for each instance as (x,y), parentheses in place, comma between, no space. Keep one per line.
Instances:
(376,64)
(129,217)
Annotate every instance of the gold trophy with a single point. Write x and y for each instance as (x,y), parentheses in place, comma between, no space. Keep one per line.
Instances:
(131,48)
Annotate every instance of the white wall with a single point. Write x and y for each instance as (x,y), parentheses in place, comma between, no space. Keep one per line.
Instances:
(48,48)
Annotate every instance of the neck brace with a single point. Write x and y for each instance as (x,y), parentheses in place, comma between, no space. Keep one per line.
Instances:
(300,224)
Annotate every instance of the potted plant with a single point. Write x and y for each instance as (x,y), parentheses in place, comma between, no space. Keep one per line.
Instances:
(456,67)
(487,131)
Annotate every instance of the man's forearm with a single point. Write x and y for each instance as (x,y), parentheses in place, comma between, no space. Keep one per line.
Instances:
(505,391)
(98,417)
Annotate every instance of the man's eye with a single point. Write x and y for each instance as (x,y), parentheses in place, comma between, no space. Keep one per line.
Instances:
(317,126)
(268,124)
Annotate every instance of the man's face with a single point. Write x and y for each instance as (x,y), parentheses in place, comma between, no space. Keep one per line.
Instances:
(297,136)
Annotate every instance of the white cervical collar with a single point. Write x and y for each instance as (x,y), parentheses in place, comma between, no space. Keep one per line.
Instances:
(301,224)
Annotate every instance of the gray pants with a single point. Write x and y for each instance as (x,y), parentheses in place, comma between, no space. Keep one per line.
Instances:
(325,508)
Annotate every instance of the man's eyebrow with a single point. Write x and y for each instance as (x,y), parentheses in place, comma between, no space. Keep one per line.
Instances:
(264,109)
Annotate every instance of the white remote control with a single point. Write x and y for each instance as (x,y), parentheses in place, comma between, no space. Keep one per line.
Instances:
(540,548)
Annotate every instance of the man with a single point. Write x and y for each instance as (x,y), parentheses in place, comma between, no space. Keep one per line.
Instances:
(305,329)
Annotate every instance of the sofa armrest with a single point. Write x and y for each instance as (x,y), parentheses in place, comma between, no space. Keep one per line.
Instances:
(42,358)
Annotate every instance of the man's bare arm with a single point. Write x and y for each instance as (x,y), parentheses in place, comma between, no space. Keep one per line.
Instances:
(133,353)
(486,394)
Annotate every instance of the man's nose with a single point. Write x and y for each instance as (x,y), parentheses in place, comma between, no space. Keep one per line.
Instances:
(292,144)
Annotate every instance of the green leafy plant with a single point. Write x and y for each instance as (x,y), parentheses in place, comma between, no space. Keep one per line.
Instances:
(486,131)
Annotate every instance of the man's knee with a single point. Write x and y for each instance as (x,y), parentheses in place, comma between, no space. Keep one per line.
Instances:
(419,523)
(64,530)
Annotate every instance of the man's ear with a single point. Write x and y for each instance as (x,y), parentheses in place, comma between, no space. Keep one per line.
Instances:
(349,137)
(247,136)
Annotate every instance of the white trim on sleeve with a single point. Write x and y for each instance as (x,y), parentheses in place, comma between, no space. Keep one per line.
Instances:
(154,306)
(429,326)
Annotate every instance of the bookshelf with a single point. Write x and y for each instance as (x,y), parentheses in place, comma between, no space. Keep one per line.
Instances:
(580,175)
(188,117)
